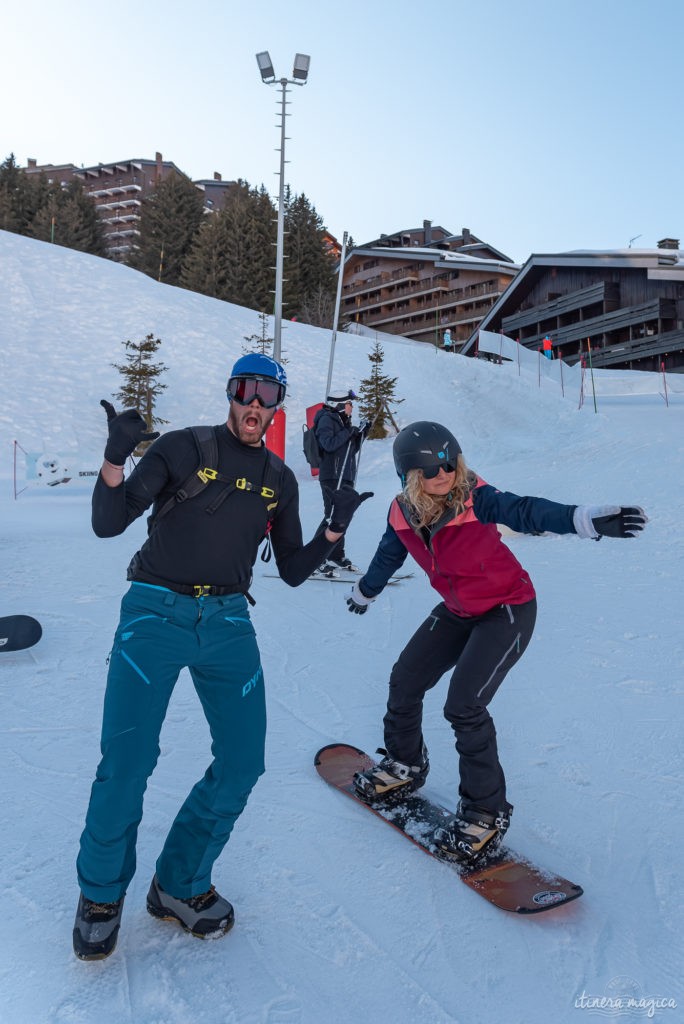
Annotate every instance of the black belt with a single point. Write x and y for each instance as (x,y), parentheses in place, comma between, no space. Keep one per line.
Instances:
(194,589)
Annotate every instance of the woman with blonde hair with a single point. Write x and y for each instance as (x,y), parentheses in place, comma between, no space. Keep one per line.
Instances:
(445,517)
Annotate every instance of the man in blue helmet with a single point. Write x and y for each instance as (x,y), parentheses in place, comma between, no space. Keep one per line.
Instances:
(187,606)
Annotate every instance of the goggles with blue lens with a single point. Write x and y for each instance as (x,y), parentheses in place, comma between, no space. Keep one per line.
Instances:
(268,392)
(432,471)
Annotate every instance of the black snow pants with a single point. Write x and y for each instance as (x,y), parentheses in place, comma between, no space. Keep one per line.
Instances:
(328,488)
(481,651)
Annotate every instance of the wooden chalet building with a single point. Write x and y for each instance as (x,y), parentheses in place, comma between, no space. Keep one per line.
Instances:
(627,303)
(423,282)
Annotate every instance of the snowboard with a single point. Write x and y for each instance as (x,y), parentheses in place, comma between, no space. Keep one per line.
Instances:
(503,878)
(18,632)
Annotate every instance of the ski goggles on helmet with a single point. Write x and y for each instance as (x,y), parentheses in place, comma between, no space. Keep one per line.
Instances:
(268,392)
(431,472)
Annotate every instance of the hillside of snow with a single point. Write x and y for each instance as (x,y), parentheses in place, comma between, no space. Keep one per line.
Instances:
(338,918)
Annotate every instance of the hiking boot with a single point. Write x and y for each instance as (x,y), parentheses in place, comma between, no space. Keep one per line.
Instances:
(206,916)
(389,778)
(96,928)
(344,563)
(471,833)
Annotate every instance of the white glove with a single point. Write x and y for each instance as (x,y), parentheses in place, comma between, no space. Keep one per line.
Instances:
(356,601)
(596,521)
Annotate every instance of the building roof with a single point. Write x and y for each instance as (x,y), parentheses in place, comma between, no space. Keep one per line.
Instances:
(406,231)
(659,264)
(440,257)
(124,166)
(434,236)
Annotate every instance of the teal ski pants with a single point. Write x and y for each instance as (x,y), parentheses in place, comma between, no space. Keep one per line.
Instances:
(159,633)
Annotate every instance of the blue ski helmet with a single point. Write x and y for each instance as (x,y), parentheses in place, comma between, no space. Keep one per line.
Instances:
(256,364)
(423,445)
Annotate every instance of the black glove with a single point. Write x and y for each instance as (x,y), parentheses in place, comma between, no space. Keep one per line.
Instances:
(356,438)
(126,431)
(357,602)
(626,522)
(345,503)
(365,429)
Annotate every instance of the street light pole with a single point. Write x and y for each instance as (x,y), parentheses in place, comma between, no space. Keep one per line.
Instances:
(300,73)
(336,314)
(280,236)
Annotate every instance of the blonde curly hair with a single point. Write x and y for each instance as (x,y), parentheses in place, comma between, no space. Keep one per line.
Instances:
(426,509)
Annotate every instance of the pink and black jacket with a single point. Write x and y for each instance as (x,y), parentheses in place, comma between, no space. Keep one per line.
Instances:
(464,557)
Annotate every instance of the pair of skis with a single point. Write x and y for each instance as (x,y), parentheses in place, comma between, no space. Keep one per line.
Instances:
(344,576)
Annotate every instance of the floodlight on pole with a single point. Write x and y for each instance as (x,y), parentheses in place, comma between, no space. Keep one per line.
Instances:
(300,73)
(265,67)
(300,70)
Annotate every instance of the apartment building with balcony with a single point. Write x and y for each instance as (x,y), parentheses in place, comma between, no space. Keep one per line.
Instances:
(118,190)
(422,282)
(627,305)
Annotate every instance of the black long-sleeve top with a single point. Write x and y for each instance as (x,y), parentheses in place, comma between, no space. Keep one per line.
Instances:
(190,546)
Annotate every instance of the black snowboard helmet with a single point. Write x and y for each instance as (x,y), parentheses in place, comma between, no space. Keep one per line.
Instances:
(424,445)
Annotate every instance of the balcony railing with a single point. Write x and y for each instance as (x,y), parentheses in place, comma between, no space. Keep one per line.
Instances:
(120,204)
(114,190)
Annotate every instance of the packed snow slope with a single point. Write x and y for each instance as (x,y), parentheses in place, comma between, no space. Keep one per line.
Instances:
(338,918)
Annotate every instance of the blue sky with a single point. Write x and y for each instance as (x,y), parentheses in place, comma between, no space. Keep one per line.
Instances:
(540,126)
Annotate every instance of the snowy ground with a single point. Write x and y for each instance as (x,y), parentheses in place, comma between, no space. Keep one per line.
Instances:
(339,919)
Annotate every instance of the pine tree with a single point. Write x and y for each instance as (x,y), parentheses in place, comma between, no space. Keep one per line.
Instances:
(261,246)
(21,196)
(250,236)
(82,222)
(68,217)
(9,183)
(261,342)
(309,270)
(376,393)
(232,255)
(169,221)
(205,267)
(141,381)
(8,218)
(236,255)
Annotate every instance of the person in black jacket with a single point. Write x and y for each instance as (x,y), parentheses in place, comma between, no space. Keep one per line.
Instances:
(339,443)
(187,607)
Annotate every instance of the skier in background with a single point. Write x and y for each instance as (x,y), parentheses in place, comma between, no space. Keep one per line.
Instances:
(339,443)
(445,517)
(187,607)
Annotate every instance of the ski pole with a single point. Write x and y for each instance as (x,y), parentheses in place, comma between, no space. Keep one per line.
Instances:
(363,441)
(344,464)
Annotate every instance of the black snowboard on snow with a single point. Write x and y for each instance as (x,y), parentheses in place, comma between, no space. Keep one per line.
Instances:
(504,878)
(18,632)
